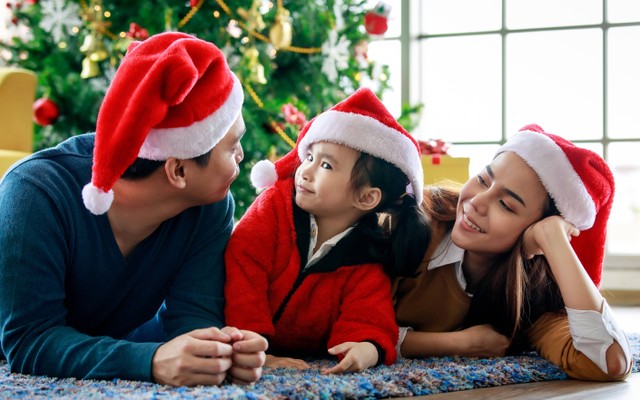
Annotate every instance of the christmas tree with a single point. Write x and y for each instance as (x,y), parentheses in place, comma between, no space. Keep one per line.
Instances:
(294,59)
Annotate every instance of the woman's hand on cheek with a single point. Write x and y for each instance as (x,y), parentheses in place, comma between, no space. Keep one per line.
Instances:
(541,236)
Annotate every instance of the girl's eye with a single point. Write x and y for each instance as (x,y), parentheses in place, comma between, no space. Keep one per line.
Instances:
(482,181)
(326,165)
(309,157)
(505,206)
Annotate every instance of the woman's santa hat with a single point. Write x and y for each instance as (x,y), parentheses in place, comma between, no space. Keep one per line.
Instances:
(360,122)
(173,96)
(580,183)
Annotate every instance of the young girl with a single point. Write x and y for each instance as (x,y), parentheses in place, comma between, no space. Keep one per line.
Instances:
(515,261)
(306,263)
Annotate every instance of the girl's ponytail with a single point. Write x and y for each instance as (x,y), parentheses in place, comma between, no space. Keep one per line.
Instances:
(410,234)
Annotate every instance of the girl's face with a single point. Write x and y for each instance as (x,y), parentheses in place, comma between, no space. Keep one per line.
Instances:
(323,180)
(497,205)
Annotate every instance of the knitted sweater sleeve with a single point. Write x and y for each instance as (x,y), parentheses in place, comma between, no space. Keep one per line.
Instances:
(366,312)
(34,334)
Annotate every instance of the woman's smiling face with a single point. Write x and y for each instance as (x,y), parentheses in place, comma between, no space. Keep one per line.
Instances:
(497,205)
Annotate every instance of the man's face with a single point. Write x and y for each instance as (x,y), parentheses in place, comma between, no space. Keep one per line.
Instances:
(213,181)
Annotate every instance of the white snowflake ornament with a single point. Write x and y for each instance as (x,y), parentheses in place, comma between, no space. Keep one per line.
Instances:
(336,55)
(58,18)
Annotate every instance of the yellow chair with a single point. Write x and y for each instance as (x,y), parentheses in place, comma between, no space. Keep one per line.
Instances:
(17,94)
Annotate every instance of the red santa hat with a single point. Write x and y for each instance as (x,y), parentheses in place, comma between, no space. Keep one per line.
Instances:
(360,122)
(173,96)
(579,182)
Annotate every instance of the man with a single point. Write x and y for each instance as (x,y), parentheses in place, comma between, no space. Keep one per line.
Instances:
(131,286)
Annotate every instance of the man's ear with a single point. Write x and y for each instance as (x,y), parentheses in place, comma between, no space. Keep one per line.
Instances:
(175,172)
(368,198)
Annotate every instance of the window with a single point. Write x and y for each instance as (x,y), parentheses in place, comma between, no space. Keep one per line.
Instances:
(485,68)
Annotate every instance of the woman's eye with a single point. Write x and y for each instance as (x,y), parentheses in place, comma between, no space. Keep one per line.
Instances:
(325,165)
(505,206)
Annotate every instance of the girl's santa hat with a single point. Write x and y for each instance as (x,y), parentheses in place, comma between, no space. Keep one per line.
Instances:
(580,183)
(360,122)
(173,96)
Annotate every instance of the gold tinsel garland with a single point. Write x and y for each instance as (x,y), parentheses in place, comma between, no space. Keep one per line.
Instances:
(102,28)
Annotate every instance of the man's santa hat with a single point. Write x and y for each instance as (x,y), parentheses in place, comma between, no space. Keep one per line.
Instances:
(360,122)
(579,182)
(173,96)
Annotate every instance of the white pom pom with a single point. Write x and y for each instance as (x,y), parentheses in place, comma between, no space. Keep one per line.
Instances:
(96,201)
(263,174)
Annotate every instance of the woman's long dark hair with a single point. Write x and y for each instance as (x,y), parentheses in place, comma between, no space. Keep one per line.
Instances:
(515,293)
(411,230)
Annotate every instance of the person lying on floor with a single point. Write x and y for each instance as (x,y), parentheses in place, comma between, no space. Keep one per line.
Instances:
(124,278)
(308,255)
(515,261)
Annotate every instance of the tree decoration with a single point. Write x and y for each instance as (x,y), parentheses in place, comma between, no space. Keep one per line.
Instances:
(59,18)
(336,55)
(93,47)
(45,111)
(375,21)
(10,25)
(253,16)
(256,70)
(281,32)
(137,32)
(286,79)
(293,116)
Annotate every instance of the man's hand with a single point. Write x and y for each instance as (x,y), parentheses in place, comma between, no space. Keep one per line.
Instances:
(248,355)
(357,357)
(199,357)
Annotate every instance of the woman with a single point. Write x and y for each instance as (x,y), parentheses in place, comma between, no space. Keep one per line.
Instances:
(515,261)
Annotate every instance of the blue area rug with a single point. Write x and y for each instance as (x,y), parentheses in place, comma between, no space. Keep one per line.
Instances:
(403,379)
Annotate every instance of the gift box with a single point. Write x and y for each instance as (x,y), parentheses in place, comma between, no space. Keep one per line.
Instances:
(441,168)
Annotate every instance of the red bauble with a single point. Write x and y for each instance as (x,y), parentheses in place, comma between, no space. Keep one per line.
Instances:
(375,24)
(45,111)
(137,32)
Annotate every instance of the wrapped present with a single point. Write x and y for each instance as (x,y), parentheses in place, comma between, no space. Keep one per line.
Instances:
(439,167)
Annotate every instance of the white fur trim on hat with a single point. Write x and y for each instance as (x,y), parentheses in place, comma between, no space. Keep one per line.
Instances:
(368,135)
(198,138)
(96,201)
(556,173)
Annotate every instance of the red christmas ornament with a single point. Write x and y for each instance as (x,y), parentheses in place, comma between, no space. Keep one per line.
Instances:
(137,32)
(45,111)
(375,21)
(293,116)
(193,3)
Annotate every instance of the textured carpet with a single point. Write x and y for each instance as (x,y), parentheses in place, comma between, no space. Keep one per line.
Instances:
(405,378)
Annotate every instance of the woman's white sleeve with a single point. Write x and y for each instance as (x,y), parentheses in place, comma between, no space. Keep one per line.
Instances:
(594,332)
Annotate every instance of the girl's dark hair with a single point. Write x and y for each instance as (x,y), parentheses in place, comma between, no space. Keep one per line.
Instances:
(411,231)
(142,168)
(515,293)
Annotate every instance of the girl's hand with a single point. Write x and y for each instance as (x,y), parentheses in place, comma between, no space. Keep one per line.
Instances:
(541,236)
(357,357)
(484,341)
(285,362)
